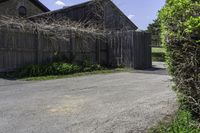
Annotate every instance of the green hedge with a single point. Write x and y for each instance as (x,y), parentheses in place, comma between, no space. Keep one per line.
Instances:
(180,21)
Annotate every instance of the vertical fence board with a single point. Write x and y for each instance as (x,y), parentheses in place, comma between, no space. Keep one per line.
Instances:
(128,48)
(131,49)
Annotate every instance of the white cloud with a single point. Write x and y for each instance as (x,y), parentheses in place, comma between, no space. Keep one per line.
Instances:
(60,3)
(131,16)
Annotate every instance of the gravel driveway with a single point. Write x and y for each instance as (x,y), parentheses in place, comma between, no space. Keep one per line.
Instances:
(128,102)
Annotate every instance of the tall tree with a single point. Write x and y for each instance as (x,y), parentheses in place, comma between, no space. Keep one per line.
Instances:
(155,30)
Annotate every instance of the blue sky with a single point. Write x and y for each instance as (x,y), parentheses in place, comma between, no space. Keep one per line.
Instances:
(141,12)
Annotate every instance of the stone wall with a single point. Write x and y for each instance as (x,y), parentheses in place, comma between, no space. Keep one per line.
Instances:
(10,7)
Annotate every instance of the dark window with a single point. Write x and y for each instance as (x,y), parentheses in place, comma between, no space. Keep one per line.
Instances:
(22,11)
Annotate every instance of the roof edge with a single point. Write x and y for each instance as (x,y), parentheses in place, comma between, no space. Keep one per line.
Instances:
(64,8)
(128,20)
(40,5)
(83,4)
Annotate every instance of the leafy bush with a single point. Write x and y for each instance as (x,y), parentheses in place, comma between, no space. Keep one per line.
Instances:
(87,66)
(180,22)
(32,70)
(57,68)
(92,68)
(61,69)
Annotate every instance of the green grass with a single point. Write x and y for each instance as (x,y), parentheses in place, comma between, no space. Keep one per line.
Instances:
(51,77)
(57,70)
(181,123)
(158,54)
(158,50)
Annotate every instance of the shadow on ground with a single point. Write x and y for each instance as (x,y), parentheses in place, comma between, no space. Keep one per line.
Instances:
(158,68)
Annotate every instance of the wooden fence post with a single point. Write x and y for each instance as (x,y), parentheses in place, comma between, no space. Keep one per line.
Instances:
(39,52)
(72,46)
(98,52)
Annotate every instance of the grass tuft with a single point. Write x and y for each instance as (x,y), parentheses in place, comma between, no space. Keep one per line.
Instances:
(181,123)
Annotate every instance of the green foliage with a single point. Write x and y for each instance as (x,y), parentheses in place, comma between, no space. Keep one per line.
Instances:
(56,68)
(192,25)
(51,77)
(180,24)
(87,66)
(182,123)
(155,31)
(91,68)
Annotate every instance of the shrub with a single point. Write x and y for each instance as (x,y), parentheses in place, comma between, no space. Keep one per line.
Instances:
(32,70)
(60,69)
(56,68)
(180,22)
(87,66)
(93,67)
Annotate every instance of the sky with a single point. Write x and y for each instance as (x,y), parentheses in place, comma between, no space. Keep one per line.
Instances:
(141,12)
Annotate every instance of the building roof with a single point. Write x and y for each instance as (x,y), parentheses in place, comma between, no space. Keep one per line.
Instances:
(62,9)
(74,7)
(36,3)
(127,19)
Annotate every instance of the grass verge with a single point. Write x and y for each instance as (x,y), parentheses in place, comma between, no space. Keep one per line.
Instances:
(181,123)
(51,77)
(158,54)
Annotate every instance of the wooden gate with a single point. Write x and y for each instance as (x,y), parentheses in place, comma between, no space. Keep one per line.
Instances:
(130,49)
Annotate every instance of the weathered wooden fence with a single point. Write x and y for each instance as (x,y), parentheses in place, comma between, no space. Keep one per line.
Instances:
(18,49)
(131,49)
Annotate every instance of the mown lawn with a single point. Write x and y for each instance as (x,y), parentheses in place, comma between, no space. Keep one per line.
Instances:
(158,54)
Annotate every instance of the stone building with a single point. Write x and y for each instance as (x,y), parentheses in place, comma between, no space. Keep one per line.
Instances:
(22,8)
(100,12)
(107,15)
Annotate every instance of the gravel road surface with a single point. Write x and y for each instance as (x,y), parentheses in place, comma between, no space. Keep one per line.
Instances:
(128,102)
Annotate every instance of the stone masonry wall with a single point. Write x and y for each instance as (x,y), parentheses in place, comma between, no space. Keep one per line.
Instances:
(11,7)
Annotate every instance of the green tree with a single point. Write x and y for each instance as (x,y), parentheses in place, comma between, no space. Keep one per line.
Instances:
(155,30)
